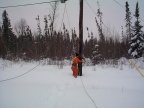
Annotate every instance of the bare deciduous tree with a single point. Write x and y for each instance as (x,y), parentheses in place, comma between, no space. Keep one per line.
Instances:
(52,16)
(20,26)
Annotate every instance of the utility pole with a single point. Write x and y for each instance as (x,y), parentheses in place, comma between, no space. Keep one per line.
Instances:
(80,36)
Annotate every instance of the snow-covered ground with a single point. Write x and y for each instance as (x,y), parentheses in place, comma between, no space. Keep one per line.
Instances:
(47,86)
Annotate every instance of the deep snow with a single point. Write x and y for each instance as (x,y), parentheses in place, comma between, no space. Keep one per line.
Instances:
(47,86)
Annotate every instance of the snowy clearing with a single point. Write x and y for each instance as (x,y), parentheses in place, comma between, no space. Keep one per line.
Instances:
(47,86)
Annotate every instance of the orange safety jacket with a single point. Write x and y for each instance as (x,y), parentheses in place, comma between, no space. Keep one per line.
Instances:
(76,60)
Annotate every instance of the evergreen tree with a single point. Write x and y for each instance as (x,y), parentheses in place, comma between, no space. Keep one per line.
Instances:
(46,34)
(1,43)
(39,28)
(128,21)
(137,39)
(85,49)
(28,42)
(8,35)
(101,42)
(96,54)
(101,35)
(128,28)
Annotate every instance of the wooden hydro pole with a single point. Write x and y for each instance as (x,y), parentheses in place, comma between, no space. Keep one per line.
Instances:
(80,36)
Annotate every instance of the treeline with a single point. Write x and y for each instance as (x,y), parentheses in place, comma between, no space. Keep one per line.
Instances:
(27,46)
(60,45)
(54,45)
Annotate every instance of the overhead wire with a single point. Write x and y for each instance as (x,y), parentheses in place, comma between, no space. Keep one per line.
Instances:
(23,5)
(91,7)
(124,8)
(6,49)
(95,13)
(70,30)
(98,17)
(27,4)
(119,3)
(63,16)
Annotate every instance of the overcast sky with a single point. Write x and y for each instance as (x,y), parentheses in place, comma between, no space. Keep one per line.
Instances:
(113,13)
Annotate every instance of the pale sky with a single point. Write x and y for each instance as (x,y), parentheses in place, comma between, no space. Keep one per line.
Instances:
(113,13)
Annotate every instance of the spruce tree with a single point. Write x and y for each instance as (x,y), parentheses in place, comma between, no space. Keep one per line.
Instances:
(128,21)
(8,35)
(137,39)
(96,55)
(1,43)
(101,35)
(128,26)
(47,36)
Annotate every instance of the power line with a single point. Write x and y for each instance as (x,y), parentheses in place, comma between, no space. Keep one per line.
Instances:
(95,12)
(63,16)
(124,8)
(104,24)
(91,8)
(27,4)
(99,18)
(119,3)
(20,75)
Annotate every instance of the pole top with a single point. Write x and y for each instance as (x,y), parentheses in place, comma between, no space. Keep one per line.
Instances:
(63,1)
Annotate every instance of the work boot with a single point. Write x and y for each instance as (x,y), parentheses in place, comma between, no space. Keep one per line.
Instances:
(75,76)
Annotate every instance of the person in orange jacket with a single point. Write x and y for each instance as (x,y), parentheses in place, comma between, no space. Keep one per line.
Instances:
(76,60)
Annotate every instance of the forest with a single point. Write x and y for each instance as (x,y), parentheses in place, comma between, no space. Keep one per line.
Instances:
(60,45)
